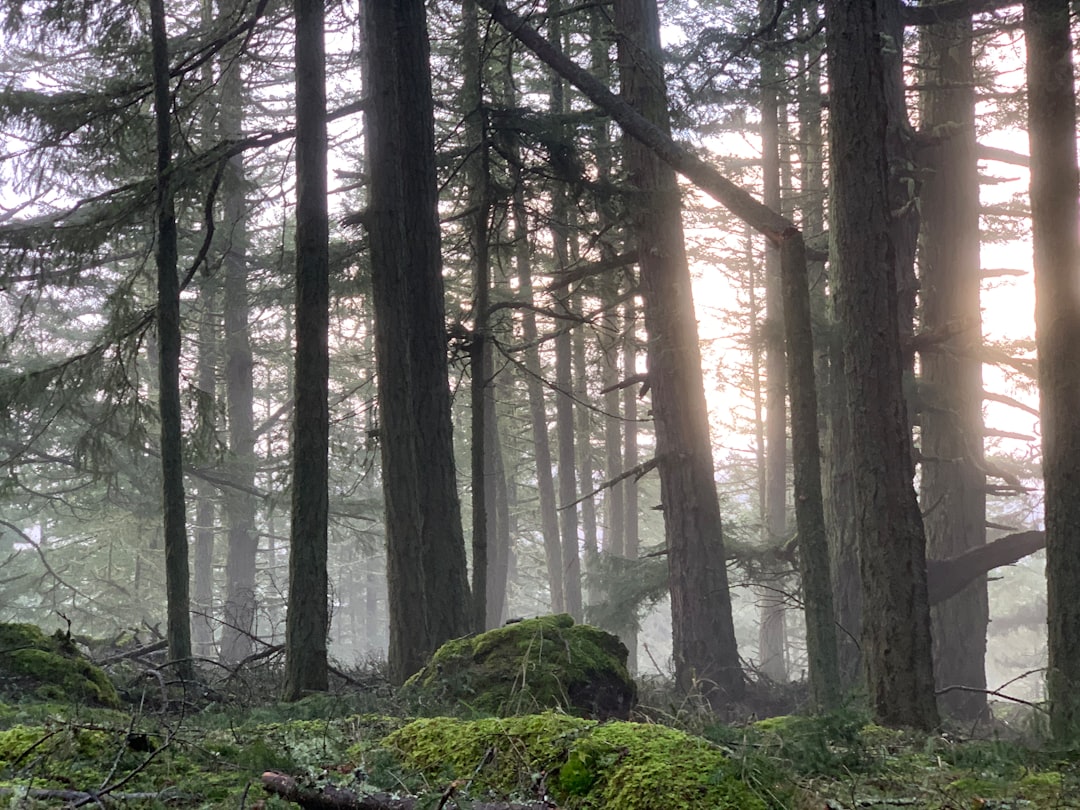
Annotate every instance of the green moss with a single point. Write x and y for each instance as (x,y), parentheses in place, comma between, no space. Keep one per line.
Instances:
(51,667)
(536,664)
(584,764)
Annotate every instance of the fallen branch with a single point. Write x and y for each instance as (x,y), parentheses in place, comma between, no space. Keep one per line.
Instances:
(329,797)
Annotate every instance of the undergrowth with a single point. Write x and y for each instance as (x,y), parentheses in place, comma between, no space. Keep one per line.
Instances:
(208,747)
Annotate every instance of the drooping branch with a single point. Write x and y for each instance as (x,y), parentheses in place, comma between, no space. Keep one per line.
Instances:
(946,578)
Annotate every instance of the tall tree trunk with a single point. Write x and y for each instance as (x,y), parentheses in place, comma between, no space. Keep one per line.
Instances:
(1054,185)
(407,595)
(839,509)
(896,617)
(545,481)
(772,632)
(953,485)
(583,440)
(478,203)
(630,458)
(705,650)
(178,625)
(307,621)
(404,228)
(445,574)
(564,375)
(202,625)
(240,506)
(498,509)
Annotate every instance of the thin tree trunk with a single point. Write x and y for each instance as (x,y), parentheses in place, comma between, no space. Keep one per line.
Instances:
(772,632)
(240,506)
(1054,185)
(202,626)
(564,375)
(307,621)
(178,625)
(477,171)
(630,457)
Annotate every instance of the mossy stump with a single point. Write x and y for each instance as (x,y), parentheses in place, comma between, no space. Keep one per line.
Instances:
(527,667)
(35,665)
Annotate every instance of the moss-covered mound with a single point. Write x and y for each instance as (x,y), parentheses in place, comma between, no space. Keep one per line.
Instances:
(529,666)
(580,763)
(49,668)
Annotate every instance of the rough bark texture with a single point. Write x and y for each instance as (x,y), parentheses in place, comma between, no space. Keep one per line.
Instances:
(407,606)
(705,651)
(445,575)
(953,486)
(1054,185)
(896,617)
(307,621)
(178,601)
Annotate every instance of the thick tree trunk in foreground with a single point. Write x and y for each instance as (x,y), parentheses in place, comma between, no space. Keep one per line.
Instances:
(178,626)
(705,650)
(430,600)
(307,620)
(895,613)
(410,639)
(445,574)
(953,485)
(1054,186)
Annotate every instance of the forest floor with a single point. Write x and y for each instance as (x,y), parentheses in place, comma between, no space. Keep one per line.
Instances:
(227,744)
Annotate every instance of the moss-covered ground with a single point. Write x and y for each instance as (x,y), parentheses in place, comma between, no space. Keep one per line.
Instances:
(211,752)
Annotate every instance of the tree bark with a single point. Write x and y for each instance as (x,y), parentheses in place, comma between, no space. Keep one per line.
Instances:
(953,484)
(705,651)
(407,595)
(307,621)
(895,613)
(1054,186)
(178,601)
(445,574)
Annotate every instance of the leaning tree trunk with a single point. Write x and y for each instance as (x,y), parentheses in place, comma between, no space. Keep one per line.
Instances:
(1054,186)
(307,620)
(705,650)
(178,602)
(953,482)
(895,613)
